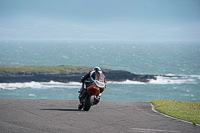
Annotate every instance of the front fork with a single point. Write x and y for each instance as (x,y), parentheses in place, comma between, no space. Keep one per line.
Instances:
(97,99)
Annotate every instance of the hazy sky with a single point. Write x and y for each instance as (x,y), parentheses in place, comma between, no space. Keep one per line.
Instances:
(100,19)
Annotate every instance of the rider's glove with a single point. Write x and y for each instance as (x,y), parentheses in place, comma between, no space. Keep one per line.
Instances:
(82,78)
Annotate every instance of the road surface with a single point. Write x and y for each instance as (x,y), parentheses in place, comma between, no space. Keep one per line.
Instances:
(62,116)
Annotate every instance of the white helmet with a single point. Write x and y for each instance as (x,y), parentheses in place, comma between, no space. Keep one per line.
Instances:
(97,69)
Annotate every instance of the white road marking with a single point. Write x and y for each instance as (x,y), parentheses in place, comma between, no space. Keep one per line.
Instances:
(153,130)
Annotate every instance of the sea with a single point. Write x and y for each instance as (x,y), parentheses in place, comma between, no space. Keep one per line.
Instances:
(180,58)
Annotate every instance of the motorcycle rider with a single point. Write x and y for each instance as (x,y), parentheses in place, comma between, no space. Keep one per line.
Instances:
(88,80)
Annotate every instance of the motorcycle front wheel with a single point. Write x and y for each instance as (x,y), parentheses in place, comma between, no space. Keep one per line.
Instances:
(88,103)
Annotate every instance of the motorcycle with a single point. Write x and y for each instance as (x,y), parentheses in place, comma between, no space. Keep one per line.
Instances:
(92,96)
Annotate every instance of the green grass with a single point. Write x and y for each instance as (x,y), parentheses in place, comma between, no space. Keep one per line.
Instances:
(56,69)
(188,111)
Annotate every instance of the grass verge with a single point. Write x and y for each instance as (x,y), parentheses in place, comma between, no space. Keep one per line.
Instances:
(56,69)
(188,111)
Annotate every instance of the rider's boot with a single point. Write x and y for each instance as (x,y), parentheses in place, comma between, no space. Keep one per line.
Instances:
(81,98)
(80,106)
(82,95)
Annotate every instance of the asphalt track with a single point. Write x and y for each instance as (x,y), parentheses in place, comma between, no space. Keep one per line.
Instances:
(62,116)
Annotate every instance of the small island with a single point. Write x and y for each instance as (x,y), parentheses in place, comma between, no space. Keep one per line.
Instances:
(63,73)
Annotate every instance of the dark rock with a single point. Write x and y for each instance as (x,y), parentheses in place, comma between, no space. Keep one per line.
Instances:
(111,75)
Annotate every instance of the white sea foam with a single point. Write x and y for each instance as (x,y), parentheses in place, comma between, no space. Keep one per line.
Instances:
(12,86)
(39,85)
(195,76)
(174,80)
(170,74)
(183,79)
(126,82)
(31,95)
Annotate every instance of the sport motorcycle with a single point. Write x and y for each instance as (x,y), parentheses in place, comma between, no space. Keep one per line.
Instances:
(92,95)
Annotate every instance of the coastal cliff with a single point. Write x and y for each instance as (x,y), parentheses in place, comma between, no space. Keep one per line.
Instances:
(72,74)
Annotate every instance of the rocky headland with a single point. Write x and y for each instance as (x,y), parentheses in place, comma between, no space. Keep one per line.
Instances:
(65,74)
(70,75)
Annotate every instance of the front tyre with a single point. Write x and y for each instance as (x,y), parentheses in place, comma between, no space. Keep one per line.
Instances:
(88,103)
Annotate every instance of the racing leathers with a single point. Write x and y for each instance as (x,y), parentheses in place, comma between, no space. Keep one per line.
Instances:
(92,77)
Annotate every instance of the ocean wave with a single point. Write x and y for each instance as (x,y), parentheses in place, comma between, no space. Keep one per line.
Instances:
(167,79)
(126,82)
(39,85)
(13,86)
(175,76)
(183,79)
(195,76)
